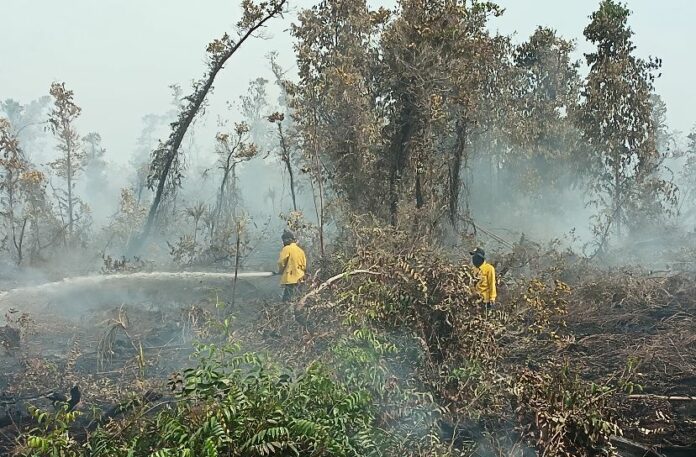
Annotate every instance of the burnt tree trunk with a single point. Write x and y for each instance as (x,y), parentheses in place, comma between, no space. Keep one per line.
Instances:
(617,197)
(420,199)
(399,157)
(71,218)
(288,165)
(455,170)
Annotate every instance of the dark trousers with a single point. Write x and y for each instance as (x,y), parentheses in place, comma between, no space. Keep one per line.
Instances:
(289,292)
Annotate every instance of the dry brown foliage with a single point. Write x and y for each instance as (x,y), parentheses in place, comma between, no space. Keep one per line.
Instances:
(492,370)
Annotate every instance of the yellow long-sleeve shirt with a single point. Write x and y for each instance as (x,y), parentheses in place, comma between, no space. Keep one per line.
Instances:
(292,264)
(486,282)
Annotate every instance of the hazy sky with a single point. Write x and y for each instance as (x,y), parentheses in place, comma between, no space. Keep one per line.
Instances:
(120,56)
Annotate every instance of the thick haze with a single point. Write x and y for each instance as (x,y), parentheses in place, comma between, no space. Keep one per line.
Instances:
(120,56)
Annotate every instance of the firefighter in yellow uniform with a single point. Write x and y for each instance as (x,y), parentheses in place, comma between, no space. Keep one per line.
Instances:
(486,282)
(292,265)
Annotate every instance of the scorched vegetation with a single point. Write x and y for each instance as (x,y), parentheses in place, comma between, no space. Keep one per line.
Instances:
(141,317)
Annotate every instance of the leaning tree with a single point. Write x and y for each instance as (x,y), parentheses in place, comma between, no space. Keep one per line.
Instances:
(165,168)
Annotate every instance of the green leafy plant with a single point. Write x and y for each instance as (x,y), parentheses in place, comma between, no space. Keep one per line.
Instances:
(51,437)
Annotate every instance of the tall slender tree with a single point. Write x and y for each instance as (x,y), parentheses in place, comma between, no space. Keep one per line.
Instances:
(285,153)
(30,225)
(232,149)
(71,162)
(12,166)
(616,119)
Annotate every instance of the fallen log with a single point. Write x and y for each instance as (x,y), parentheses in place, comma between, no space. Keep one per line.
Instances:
(628,448)
(662,397)
(6,419)
(20,413)
(124,407)
(678,451)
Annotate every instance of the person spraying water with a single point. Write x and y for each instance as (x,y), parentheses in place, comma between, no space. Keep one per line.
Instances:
(292,266)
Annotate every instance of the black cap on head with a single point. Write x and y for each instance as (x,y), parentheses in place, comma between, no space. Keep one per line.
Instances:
(287,236)
(478,252)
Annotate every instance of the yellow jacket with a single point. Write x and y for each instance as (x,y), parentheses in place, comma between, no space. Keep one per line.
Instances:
(486,282)
(292,264)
